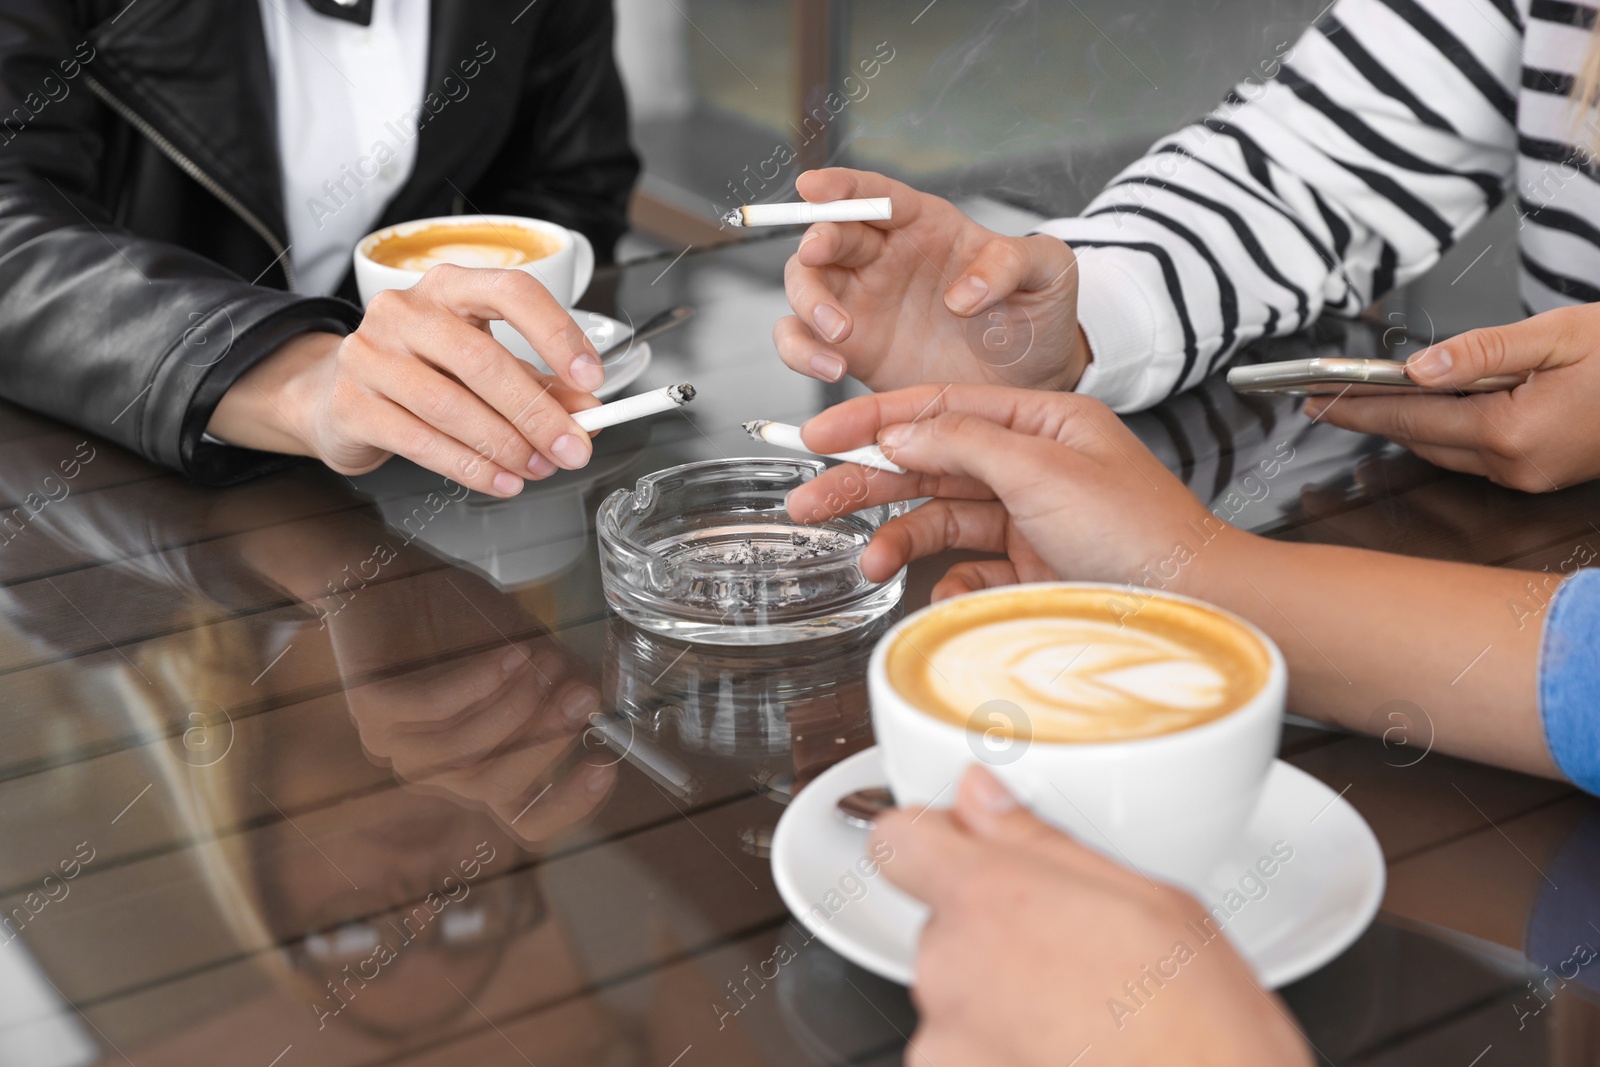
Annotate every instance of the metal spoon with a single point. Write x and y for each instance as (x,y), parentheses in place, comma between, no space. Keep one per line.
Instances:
(655,324)
(862,807)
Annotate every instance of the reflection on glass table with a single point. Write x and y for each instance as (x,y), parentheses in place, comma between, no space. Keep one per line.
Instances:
(775,716)
(275,740)
(535,536)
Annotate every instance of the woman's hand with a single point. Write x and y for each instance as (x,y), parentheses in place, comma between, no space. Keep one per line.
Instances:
(1053,480)
(928,296)
(422,378)
(1059,484)
(1538,437)
(491,729)
(494,731)
(1035,941)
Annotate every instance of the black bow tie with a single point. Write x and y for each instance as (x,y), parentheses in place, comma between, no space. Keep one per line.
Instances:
(349,10)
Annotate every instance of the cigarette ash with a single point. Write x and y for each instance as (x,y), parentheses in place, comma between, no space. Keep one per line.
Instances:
(802,545)
(760,572)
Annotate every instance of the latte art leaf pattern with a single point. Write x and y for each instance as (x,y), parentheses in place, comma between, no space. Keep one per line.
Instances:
(1083,677)
(1099,677)
(1075,664)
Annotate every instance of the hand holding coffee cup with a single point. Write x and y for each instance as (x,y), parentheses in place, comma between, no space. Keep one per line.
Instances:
(423,377)
(426,375)
(1073,926)
(1144,724)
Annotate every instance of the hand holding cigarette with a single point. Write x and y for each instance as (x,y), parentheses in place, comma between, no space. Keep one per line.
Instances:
(929,296)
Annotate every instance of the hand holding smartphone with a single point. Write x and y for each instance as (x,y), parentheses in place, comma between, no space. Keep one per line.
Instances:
(1351,377)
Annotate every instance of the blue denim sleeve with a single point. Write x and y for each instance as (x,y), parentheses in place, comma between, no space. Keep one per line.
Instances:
(1569,679)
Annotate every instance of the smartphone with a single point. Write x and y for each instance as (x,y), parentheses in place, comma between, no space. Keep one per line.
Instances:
(1351,377)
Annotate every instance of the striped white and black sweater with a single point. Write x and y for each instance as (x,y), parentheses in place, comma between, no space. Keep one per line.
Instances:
(1390,129)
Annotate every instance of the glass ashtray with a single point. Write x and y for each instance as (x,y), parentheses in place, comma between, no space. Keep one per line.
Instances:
(707,552)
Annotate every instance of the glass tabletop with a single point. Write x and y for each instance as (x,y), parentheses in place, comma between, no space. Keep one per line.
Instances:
(304,771)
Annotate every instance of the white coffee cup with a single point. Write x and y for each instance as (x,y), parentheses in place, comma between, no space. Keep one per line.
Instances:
(1169,805)
(566,272)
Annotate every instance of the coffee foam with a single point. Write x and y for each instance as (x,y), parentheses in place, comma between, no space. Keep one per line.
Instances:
(462,255)
(1077,667)
(465,245)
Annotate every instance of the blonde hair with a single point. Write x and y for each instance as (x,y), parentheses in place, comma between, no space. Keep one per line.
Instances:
(1586,96)
(211,798)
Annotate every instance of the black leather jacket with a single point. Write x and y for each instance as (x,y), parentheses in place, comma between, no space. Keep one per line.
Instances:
(142,234)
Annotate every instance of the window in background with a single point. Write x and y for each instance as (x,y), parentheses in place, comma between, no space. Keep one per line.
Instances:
(1034,103)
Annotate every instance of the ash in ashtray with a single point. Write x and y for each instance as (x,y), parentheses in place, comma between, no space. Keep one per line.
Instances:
(802,545)
(759,561)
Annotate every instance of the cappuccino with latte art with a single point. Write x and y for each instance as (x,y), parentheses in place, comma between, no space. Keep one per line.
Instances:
(1078,667)
(1146,732)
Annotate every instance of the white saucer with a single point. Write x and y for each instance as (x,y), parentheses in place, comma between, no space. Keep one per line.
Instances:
(622,366)
(1316,904)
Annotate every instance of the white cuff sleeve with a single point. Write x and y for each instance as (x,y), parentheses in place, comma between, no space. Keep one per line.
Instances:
(1120,324)
(1127,315)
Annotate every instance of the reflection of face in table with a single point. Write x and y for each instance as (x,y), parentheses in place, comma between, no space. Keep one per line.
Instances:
(465,738)
(310,855)
(432,900)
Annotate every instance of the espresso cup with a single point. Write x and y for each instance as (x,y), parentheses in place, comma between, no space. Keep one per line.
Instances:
(1142,723)
(562,259)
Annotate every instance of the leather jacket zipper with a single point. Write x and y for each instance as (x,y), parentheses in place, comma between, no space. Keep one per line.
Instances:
(192,169)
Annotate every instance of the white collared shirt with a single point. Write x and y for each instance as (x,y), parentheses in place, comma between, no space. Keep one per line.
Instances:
(348,97)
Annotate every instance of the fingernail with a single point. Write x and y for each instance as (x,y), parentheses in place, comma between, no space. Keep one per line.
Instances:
(1432,363)
(587,372)
(511,661)
(507,484)
(570,452)
(895,436)
(828,368)
(578,705)
(966,294)
(599,779)
(547,664)
(989,794)
(830,320)
(540,466)
(809,235)
(1313,408)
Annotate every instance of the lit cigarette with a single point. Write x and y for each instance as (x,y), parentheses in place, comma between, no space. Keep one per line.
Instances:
(634,407)
(783,435)
(801,214)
